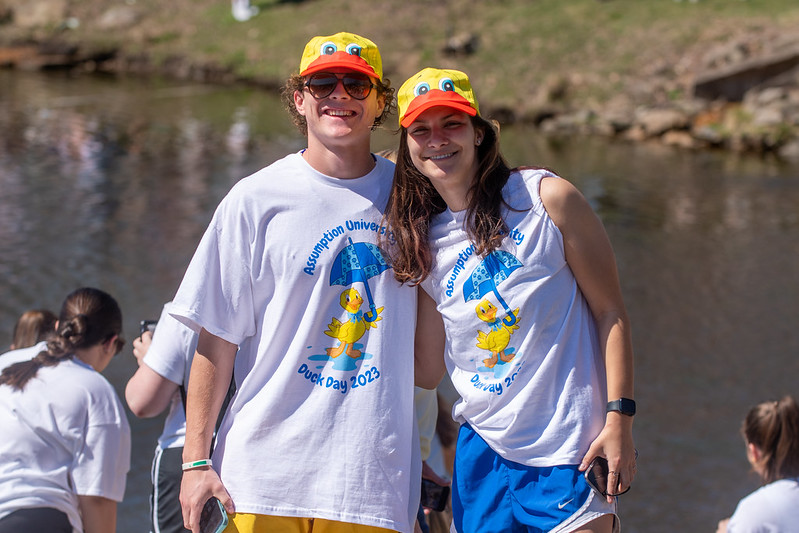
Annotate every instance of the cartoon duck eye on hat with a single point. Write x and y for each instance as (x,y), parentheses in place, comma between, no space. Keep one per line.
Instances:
(431,87)
(345,50)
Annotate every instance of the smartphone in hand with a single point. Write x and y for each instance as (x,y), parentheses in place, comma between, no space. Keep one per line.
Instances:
(147,325)
(214,517)
(597,476)
(434,496)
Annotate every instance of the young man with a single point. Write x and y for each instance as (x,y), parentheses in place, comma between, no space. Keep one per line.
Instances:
(288,283)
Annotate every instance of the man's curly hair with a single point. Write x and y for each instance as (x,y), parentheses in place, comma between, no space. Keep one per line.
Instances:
(297,82)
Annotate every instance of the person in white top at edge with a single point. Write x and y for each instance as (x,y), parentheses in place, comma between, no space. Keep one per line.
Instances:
(537,342)
(320,433)
(65,450)
(771,434)
(164,359)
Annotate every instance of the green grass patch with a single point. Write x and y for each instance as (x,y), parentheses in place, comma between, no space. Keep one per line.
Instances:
(597,45)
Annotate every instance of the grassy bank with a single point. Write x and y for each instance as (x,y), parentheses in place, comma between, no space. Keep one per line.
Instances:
(578,52)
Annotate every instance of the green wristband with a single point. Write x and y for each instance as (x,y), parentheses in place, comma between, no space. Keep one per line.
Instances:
(196,464)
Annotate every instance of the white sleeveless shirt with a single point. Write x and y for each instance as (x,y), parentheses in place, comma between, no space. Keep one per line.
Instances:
(522,348)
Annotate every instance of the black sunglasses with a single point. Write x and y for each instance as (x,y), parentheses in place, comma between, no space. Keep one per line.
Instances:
(323,84)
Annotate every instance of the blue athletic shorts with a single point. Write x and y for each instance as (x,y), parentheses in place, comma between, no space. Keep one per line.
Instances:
(491,494)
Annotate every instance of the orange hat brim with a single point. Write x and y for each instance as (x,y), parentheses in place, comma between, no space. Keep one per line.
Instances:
(436,98)
(341,60)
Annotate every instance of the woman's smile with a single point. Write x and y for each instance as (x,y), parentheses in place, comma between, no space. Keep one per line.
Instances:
(441,156)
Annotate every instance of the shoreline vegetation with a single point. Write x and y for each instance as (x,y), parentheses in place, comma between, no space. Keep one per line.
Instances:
(698,74)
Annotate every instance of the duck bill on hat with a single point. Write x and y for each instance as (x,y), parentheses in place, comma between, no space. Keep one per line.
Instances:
(342,60)
(435,98)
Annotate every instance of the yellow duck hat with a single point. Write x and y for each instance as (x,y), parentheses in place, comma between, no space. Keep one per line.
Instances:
(431,87)
(345,50)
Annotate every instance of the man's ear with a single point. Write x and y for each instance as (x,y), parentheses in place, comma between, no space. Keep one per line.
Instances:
(381,104)
(299,102)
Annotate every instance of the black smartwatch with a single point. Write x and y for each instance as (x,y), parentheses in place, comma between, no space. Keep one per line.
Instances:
(625,406)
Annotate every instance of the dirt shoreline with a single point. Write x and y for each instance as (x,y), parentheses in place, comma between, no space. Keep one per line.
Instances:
(740,93)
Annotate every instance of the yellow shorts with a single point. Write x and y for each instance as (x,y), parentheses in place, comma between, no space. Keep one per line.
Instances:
(259,523)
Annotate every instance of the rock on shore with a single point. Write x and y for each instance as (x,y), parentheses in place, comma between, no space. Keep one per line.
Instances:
(740,96)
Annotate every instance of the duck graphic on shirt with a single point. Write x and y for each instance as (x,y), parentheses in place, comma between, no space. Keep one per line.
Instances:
(355,265)
(351,330)
(492,271)
(495,341)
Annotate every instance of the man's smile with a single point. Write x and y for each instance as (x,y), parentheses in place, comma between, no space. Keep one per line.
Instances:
(339,112)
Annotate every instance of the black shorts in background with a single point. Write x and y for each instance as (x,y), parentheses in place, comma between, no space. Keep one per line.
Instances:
(36,519)
(165,513)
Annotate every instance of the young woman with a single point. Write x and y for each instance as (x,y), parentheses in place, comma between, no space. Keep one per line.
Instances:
(65,449)
(771,433)
(520,279)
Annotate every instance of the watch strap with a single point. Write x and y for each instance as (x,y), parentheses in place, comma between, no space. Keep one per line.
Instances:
(625,406)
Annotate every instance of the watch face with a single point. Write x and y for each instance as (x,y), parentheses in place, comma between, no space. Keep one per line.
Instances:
(624,405)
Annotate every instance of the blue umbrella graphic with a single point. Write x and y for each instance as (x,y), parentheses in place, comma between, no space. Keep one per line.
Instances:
(493,270)
(359,261)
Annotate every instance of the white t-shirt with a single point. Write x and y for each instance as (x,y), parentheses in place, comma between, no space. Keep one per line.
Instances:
(522,348)
(281,272)
(426,403)
(170,355)
(773,508)
(65,434)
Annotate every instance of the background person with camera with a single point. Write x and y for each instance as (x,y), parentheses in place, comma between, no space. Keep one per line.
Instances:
(164,354)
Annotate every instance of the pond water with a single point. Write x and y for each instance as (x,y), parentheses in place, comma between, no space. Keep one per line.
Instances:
(110,182)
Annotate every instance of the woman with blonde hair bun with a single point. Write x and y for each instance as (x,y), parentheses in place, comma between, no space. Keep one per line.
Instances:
(32,327)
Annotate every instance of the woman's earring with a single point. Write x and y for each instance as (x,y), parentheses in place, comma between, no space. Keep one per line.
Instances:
(478,141)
